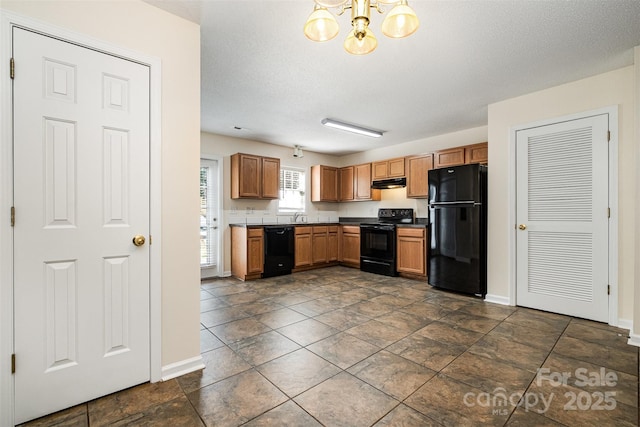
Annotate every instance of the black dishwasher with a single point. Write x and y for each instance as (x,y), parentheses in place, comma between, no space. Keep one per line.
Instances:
(278,250)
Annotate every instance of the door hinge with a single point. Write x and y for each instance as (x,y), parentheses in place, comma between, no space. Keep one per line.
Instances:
(12,68)
(13,363)
(608,212)
(13,216)
(608,136)
(608,289)
(150,239)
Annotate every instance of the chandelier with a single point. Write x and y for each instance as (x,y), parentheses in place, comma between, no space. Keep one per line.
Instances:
(401,21)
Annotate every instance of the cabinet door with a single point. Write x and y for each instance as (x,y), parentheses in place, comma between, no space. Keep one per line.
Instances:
(363,181)
(412,255)
(332,244)
(351,248)
(329,184)
(270,178)
(324,183)
(346,184)
(396,168)
(319,244)
(450,157)
(303,249)
(245,176)
(477,153)
(417,169)
(380,170)
(255,254)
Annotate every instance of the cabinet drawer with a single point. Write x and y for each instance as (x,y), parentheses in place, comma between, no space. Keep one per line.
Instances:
(320,229)
(351,229)
(333,228)
(411,232)
(254,232)
(303,230)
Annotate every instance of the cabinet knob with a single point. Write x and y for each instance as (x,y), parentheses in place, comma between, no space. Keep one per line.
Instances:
(522,227)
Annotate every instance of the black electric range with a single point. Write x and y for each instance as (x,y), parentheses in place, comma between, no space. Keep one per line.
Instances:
(378,241)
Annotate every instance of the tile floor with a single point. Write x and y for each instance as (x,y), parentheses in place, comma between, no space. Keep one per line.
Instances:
(338,347)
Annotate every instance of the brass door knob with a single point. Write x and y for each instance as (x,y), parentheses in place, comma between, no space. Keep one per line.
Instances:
(522,227)
(138,240)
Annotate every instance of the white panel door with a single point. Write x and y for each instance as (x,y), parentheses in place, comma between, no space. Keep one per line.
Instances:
(562,217)
(81,177)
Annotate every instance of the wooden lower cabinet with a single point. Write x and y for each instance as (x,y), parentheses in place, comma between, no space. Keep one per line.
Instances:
(332,243)
(247,252)
(303,246)
(350,246)
(319,245)
(412,251)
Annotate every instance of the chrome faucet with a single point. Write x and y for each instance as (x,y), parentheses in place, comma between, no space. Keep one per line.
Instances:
(296,215)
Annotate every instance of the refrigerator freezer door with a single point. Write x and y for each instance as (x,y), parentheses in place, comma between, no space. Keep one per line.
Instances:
(455,184)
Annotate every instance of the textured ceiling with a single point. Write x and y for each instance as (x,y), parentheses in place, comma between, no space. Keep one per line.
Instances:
(261,74)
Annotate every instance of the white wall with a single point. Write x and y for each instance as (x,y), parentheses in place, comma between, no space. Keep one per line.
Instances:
(613,88)
(137,26)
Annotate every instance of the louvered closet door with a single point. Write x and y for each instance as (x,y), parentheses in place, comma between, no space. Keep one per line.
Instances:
(562,200)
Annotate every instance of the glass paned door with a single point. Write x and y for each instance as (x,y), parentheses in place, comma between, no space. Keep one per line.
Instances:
(209,194)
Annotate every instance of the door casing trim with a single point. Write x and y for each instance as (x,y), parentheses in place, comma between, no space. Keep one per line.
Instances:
(220,240)
(612,112)
(8,20)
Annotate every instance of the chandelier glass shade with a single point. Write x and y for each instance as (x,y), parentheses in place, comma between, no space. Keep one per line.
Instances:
(401,21)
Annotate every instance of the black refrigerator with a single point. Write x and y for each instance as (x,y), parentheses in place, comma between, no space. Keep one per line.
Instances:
(457,255)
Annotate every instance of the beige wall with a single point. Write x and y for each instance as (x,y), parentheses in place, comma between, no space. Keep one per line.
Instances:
(137,26)
(613,88)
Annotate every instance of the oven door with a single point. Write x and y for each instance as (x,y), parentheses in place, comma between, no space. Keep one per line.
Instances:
(378,249)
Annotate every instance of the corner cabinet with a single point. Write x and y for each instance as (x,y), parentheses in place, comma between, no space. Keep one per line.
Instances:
(324,183)
(247,252)
(412,251)
(254,177)
(347,184)
(417,169)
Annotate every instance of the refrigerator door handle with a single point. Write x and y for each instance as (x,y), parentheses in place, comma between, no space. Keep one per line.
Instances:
(457,202)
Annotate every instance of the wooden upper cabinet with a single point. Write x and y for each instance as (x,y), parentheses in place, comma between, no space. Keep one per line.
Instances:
(393,168)
(417,169)
(380,169)
(324,183)
(449,157)
(270,178)
(346,184)
(363,181)
(477,153)
(254,177)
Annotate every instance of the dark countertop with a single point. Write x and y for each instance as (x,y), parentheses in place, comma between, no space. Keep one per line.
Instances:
(319,224)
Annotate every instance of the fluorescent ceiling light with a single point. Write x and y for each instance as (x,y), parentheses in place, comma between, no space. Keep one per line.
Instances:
(352,128)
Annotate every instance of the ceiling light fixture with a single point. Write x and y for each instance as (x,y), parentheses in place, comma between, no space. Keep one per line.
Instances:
(351,128)
(322,25)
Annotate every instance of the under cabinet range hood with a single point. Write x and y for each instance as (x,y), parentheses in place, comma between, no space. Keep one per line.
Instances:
(383,184)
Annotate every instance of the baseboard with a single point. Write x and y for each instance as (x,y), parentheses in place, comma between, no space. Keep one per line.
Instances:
(634,339)
(625,324)
(497,299)
(182,367)
(226,274)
